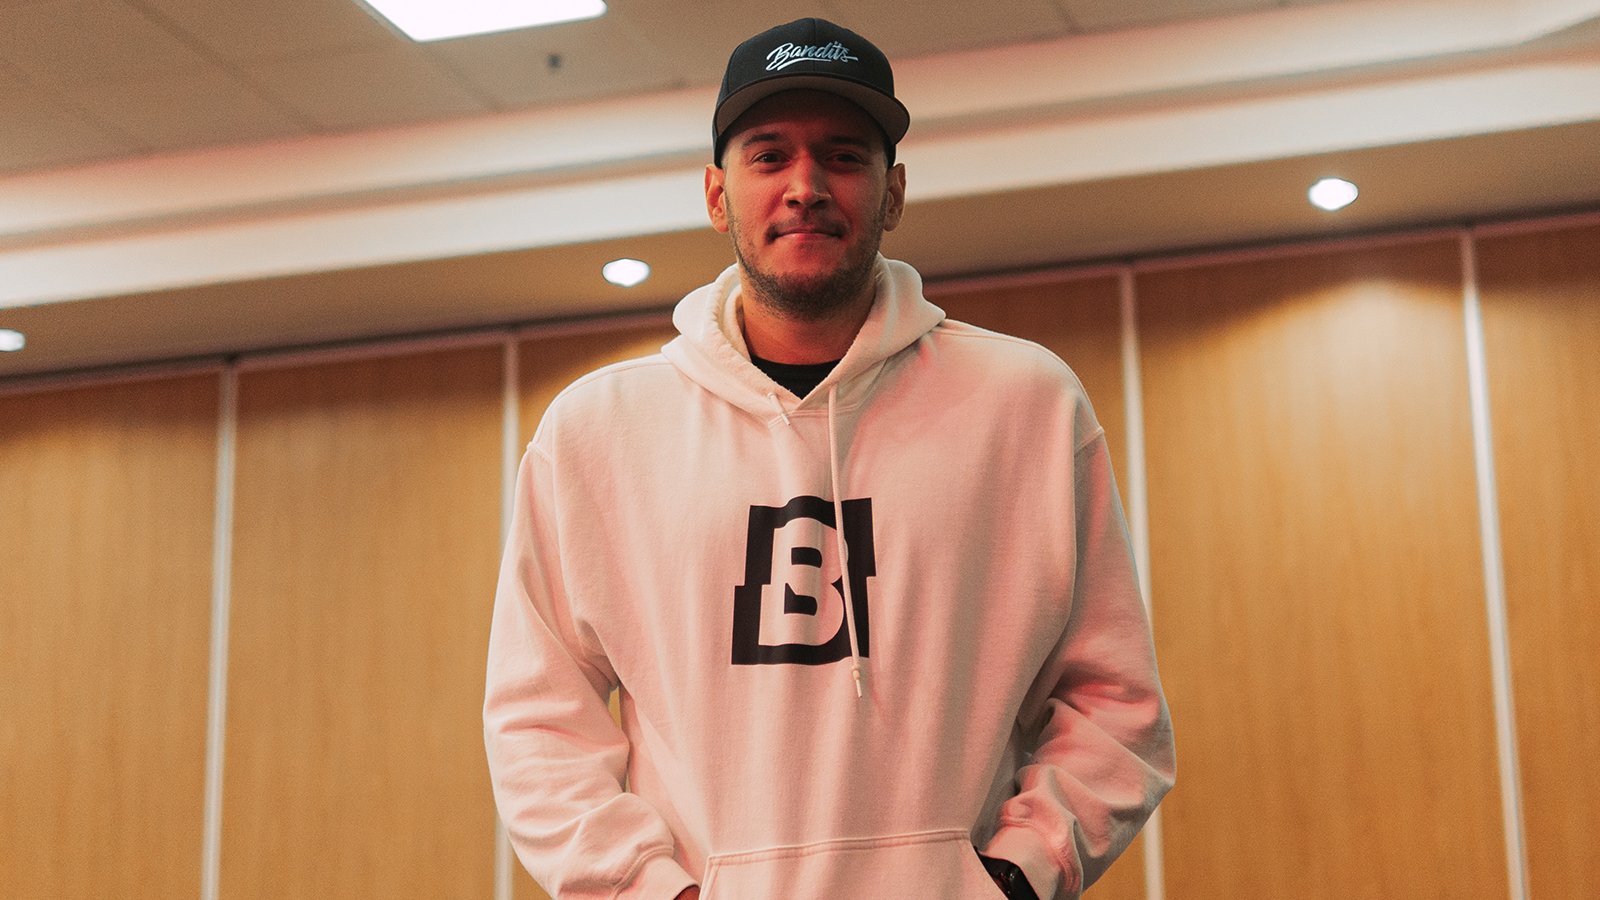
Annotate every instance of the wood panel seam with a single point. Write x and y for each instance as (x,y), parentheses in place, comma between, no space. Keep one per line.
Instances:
(511,449)
(1494,585)
(221,597)
(1139,521)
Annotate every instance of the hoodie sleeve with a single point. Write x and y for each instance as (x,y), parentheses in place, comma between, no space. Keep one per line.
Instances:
(1103,756)
(557,759)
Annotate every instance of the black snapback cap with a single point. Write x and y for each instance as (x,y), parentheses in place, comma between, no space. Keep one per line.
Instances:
(809,54)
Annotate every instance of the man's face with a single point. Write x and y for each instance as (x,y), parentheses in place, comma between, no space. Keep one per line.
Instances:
(805,195)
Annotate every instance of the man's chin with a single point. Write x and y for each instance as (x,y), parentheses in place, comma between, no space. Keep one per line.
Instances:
(805,283)
(804,288)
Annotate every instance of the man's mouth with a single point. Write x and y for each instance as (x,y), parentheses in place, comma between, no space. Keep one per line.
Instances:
(808,229)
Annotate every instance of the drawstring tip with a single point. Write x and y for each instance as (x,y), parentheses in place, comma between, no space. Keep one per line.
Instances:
(855,672)
(782,413)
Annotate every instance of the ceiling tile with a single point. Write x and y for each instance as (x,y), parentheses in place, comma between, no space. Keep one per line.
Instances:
(43,131)
(196,109)
(246,31)
(1111,15)
(697,45)
(18,95)
(592,59)
(697,42)
(367,88)
(37,136)
(90,40)
(956,26)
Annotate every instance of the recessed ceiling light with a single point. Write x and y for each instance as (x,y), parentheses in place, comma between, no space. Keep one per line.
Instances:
(432,20)
(625,272)
(1332,194)
(11,340)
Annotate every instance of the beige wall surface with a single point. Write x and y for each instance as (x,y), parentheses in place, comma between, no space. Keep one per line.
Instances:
(366,546)
(106,501)
(1541,311)
(1317,578)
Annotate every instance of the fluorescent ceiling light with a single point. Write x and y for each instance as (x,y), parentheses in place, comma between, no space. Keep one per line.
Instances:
(625,272)
(11,340)
(435,20)
(1332,194)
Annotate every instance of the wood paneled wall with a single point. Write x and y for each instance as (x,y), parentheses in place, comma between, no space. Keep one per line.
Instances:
(1081,322)
(1317,578)
(105,614)
(366,548)
(1320,604)
(546,366)
(1541,310)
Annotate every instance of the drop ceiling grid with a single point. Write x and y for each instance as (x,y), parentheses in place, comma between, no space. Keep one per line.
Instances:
(369,88)
(206,106)
(40,129)
(917,29)
(282,29)
(98,79)
(65,44)
(570,63)
(1115,15)
(1110,15)
(694,39)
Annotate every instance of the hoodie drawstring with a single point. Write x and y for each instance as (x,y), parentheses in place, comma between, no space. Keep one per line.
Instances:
(842,545)
(782,413)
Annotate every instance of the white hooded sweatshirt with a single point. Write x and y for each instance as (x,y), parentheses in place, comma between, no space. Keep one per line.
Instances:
(675,535)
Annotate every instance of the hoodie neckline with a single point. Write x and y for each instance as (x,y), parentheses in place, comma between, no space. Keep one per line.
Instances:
(710,348)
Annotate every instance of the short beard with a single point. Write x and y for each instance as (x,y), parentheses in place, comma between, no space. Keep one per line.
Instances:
(813,300)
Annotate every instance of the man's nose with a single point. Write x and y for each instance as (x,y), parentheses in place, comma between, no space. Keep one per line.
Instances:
(808,184)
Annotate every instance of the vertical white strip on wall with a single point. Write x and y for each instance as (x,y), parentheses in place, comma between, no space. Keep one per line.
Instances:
(1139,525)
(1133,404)
(1493,575)
(221,597)
(510,455)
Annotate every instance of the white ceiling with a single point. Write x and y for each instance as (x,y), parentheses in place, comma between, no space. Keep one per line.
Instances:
(86,80)
(193,177)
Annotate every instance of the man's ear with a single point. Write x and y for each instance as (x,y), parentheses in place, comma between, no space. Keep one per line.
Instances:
(894,201)
(716,198)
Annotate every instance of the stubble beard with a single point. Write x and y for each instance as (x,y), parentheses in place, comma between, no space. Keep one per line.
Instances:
(816,299)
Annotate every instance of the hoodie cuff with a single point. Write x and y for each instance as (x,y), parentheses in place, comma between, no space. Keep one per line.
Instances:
(1027,848)
(657,878)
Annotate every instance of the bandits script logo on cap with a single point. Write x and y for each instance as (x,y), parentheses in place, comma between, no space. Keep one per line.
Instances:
(812,54)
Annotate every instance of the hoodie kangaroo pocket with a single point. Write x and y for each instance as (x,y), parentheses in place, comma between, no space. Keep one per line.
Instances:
(935,865)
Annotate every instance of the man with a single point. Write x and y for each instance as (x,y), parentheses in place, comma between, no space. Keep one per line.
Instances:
(860,572)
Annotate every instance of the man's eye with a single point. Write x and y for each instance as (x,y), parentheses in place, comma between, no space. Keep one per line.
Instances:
(766,156)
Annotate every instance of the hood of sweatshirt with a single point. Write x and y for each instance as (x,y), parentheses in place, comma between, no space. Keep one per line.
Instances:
(710,348)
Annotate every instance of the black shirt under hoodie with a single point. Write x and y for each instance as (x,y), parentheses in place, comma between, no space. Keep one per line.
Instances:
(798,380)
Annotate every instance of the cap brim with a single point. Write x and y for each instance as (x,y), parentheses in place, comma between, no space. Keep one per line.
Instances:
(888,112)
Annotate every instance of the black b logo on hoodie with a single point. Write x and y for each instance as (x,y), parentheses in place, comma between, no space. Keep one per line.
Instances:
(765,523)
